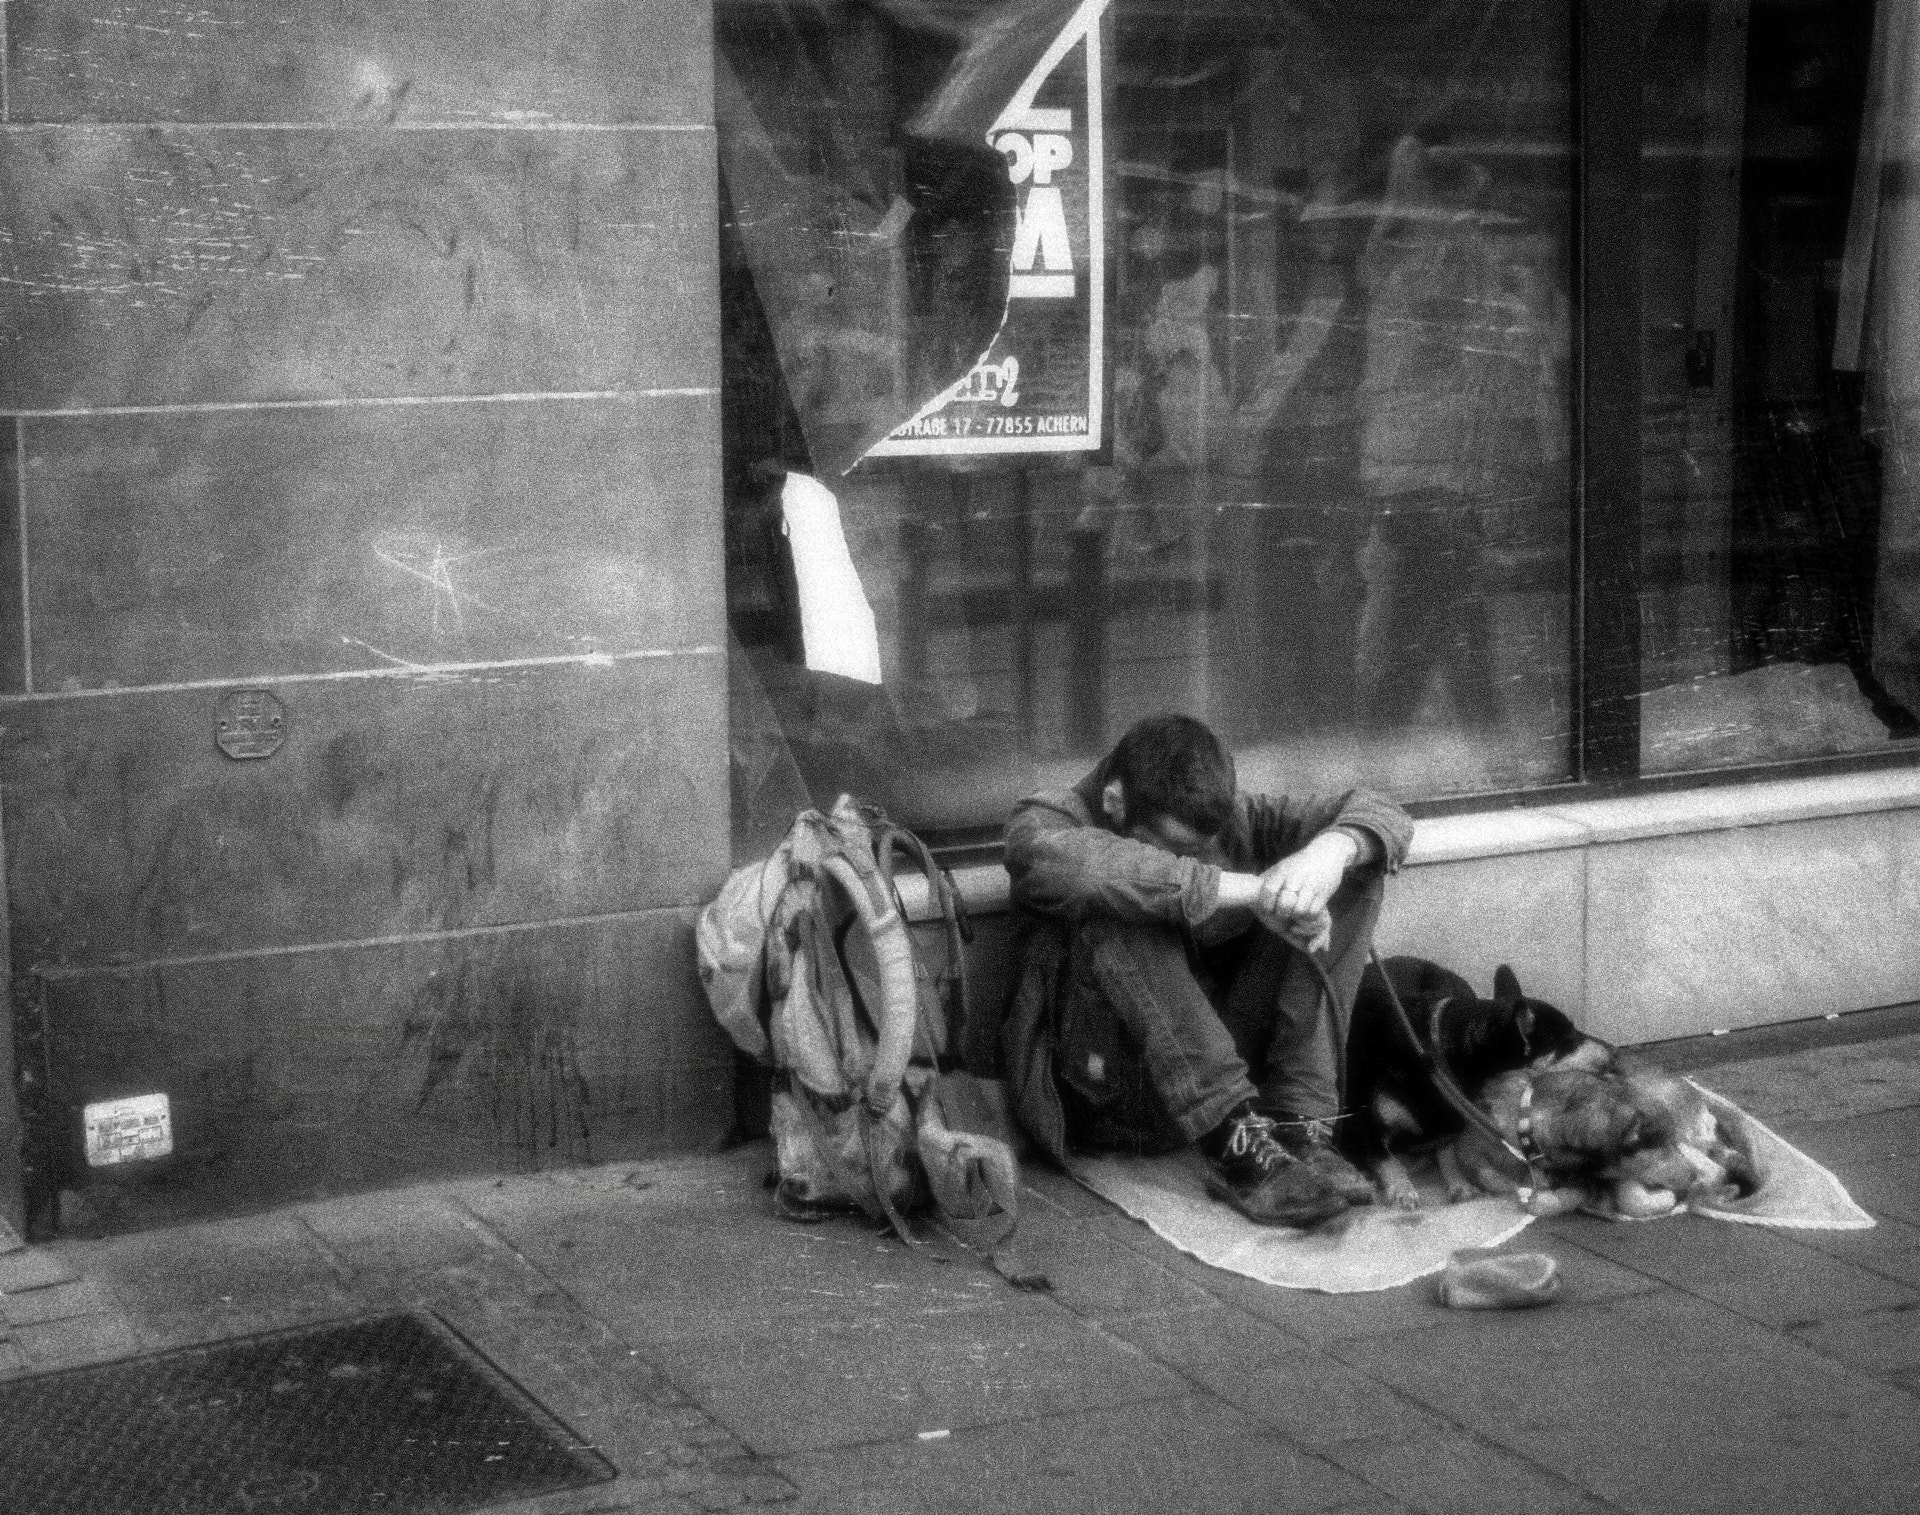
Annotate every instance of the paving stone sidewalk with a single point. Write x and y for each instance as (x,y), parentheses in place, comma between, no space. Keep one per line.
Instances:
(722,1358)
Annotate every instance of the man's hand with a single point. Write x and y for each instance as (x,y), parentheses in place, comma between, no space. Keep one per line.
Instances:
(1310,933)
(1291,898)
(1295,892)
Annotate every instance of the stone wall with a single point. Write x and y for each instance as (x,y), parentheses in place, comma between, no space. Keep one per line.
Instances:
(362,352)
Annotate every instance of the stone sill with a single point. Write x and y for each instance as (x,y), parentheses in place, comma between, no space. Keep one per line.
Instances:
(1584,823)
(1596,823)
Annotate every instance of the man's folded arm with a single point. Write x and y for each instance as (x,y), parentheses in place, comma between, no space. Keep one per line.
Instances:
(1279,827)
(1061,864)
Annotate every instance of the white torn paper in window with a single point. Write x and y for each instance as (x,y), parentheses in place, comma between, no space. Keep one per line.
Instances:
(836,620)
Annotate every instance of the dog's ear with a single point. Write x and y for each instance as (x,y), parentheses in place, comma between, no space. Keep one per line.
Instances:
(1506,988)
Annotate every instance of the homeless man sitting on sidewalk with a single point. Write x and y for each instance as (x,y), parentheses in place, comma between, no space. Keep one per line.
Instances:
(1163,994)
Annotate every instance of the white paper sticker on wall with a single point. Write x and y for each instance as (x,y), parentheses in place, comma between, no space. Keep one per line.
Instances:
(122,1130)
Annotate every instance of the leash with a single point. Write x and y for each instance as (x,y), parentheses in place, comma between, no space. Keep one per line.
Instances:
(1527,1152)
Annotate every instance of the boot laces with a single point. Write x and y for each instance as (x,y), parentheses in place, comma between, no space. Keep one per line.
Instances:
(1315,1131)
(1252,1138)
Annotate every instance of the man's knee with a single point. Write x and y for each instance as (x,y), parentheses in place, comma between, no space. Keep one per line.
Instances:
(1104,947)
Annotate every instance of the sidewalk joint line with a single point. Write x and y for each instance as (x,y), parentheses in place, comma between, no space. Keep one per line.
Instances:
(341,1268)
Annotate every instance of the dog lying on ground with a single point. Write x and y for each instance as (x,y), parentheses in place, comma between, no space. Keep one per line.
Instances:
(1695,1156)
(1626,1140)
(1395,1105)
(1607,1130)
(1577,1128)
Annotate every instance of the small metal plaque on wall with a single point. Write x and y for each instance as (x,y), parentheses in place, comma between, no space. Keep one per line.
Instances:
(250,723)
(122,1130)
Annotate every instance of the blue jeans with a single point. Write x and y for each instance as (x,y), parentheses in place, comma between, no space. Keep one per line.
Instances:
(1160,1039)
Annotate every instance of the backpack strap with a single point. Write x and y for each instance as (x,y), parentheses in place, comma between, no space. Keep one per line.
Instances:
(951,982)
(797,897)
(893,951)
(877,1170)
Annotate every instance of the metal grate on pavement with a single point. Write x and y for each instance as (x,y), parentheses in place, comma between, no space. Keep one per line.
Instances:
(388,1413)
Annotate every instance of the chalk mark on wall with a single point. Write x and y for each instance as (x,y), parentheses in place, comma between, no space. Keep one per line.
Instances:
(438,574)
(398,662)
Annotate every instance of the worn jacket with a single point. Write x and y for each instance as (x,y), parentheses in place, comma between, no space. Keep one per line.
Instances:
(1067,863)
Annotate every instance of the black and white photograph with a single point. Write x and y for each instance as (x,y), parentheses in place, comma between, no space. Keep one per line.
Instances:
(960,757)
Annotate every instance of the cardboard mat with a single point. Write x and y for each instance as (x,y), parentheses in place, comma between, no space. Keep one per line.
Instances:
(1376,1247)
(1795,1191)
(1373,1247)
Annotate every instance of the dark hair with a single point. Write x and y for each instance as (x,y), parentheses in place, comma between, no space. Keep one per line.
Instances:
(1173,765)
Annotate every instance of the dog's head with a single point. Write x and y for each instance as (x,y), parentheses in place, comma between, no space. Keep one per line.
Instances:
(1540,1035)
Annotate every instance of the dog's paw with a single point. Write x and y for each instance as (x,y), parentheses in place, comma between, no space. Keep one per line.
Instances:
(1401,1195)
(1459,1194)
(1635,1201)
(1544,1204)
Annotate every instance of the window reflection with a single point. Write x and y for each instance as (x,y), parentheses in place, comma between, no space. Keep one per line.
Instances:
(1778,616)
(1333,514)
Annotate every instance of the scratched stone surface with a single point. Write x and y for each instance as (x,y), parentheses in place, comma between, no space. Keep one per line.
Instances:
(410,804)
(13,639)
(361,61)
(285,234)
(183,265)
(172,547)
(372,1063)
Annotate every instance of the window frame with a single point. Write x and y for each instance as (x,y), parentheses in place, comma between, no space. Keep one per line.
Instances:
(1606,512)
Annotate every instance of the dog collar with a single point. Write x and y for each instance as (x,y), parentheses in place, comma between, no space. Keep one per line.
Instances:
(1523,1128)
(1526,1148)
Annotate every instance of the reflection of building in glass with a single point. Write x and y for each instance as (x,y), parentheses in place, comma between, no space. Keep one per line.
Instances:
(1338,380)
(1338,513)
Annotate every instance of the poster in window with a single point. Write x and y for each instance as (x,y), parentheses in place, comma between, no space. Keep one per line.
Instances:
(1039,386)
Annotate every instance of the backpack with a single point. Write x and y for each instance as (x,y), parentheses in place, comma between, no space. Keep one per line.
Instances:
(809,966)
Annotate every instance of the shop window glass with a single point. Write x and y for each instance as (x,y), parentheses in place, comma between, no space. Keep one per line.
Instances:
(1306,390)
(1781,287)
